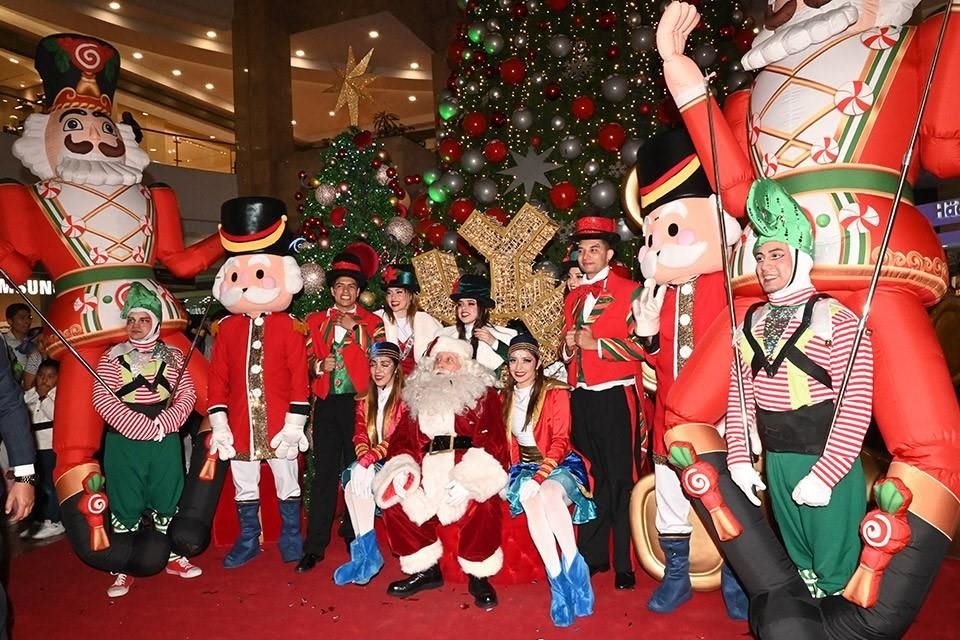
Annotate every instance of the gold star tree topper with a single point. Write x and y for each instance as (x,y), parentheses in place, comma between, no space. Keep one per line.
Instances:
(352,85)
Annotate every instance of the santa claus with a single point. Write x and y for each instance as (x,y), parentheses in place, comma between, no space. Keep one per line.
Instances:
(446,463)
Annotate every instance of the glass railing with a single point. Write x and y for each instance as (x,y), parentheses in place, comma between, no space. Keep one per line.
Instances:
(165,147)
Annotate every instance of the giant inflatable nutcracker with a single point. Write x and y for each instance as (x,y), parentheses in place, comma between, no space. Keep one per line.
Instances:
(97,229)
(829,117)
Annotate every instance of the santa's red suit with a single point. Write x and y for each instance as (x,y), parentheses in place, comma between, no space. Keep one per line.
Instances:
(477,460)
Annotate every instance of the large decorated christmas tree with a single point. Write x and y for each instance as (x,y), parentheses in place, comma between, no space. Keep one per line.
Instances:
(550,101)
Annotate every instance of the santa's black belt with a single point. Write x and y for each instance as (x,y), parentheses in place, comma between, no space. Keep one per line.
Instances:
(439,444)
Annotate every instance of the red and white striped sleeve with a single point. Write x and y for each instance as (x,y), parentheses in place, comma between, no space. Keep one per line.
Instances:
(846,440)
(737,449)
(177,413)
(118,415)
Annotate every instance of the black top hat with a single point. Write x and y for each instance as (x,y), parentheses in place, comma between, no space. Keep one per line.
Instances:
(595,225)
(254,224)
(77,71)
(402,276)
(668,169)
(346,265)
(474,287)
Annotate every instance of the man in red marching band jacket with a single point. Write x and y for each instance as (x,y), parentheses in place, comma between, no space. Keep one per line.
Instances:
(339,339)
(602,357)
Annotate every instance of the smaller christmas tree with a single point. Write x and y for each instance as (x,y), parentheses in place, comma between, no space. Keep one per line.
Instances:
(355,197)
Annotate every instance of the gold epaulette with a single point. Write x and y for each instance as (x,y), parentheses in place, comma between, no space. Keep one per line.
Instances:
(300,326)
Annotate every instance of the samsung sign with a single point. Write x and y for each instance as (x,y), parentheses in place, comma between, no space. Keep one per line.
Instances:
(33,287)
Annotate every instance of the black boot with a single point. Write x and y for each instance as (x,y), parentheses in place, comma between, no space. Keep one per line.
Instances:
(429,579)
(482,591)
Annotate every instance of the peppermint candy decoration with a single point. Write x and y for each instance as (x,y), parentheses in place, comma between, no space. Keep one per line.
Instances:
(49,189)
(825,151)
(138,255)
(86,302)
(73,227)
(877,529)
(98,256)
(881,38)
(88,57)
(695,482)
(854,98)
(96,503)
(145,192)
(753,132)
(859,216)
(770,165)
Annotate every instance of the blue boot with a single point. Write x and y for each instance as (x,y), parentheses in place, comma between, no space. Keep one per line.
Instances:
(578,581)
(733,595)
(247,546)
(560,610)
(290,542)
(365,561)
(675,588)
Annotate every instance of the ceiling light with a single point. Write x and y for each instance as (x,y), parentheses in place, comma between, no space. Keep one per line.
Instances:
(246,70)
(374,34)
(153,149)
(137,55)
(22,86)
(293,122)
(209,86)
(177,72)
(144,113)
(412,98)
(414,65)
(114,5)
(332,113)
(211,34)
(213,137)
(299,53)
(14,60)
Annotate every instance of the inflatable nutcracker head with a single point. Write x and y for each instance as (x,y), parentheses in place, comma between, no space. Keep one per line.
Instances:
(258,276)
(670,194)
(790,26)
(76,139)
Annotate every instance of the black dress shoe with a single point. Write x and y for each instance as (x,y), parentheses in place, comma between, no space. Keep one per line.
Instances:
(482,591)
(308,561)
(429,579)
(625,580)
(599,568)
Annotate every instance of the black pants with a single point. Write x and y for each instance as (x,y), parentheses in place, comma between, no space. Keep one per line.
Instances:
(333,426)
(601,431)
(46,507)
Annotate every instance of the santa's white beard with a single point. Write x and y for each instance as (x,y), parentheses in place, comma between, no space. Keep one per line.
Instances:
(431,392)
(97,172)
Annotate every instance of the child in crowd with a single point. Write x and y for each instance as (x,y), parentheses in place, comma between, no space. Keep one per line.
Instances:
(40,400)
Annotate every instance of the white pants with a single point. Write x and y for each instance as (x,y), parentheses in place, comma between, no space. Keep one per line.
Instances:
(246,478)
(673,508)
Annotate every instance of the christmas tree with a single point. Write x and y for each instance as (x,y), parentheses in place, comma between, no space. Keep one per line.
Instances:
(355,197)
(549,102)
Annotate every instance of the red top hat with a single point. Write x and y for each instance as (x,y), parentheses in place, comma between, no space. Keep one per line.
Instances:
(594,225)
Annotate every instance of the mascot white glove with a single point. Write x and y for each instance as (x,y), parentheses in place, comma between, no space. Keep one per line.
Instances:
(361,480)
(747,478)
(812,491)
(221,439)
(528,489)
(457,494)
(291,440)
(646,309)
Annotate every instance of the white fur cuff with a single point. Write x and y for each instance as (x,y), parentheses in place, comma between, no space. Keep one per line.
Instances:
(483,569)
(422,559)
(383,481)
(417,507)
(480,473)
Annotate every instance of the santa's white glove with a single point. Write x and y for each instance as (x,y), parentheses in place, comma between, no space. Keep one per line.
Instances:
(747,478)
(291,439)
(646,309)
(361,480)
(221,438)
(457,494)
(400,484)
(812,491)
(528,489)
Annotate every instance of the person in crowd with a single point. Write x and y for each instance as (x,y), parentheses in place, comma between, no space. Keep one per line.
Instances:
(546,475)
(488,341)
(378,411)
(40,402)
(570,269)
(36,357)
(19,340)
(340,339)
(404,323)
(446,463)
(142,459)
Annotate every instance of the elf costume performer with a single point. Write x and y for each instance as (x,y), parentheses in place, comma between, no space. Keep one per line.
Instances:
(446,463)
(404,324)
(97,230)
(683,295)
(546,475)
(829,117)
(142,455)
(259,392)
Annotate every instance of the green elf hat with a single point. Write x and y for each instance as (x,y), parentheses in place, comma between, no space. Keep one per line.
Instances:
(776,216)
(139,297)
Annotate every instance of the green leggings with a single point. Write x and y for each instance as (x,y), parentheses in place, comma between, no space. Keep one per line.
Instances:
(142,475)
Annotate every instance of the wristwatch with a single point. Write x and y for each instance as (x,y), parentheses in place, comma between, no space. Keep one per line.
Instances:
(30,479)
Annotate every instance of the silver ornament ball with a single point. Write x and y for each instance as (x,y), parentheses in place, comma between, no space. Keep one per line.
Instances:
(522,119)
(558,122)
(559,46)
(326,194)
(591,168)
(570,147)
(449,242)
(629,150)
(400,229)
(485,190)
(472,161)
(452,182)
(313,278)
(603,194)
(614,88)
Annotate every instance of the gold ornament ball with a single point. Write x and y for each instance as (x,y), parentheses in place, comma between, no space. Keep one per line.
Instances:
(383,155)
(323,242)
(393,201)
(343,187)
(377,220)
(367,299)
(314,182)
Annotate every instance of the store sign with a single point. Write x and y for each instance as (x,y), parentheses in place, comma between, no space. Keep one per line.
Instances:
(33,287)
(945,218)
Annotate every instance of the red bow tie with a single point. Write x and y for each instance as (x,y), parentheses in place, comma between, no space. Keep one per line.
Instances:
(596,288)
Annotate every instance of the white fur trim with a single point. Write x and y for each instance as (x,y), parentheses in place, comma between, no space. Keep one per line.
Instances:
(384,478)
(445,344)
(483,569)
(422,559)
(480,473)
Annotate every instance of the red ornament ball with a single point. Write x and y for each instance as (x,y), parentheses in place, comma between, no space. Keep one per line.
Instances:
(613,51)
(363,139)
(495,151)
(519,10)
(461,209)
(474,124)
(376,162)
(498,119)
(298,196)
(558,5)
(743,40)
(726,31)
(302,174)
(455,53)
(552,91)
(611,137)
(300,208)
(578,21)
(421,207)
(450,150)
(435,233)
(563,195)
(338,215)
(513,70)
(607,20)
(582,107)
(498,214)
(644,108)
(535,140)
